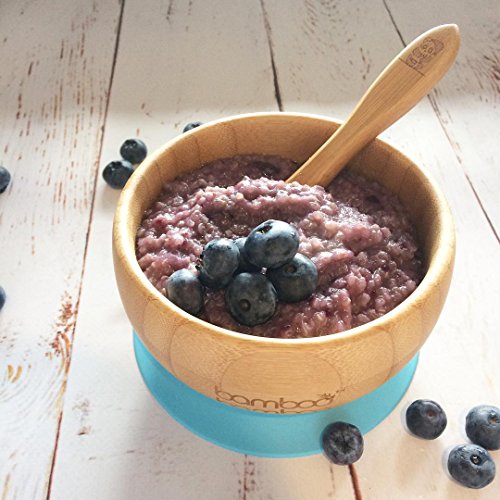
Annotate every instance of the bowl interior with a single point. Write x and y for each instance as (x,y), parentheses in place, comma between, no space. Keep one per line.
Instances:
(296,137)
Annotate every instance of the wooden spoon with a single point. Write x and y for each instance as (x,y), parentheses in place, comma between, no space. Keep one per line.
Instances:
(408,78)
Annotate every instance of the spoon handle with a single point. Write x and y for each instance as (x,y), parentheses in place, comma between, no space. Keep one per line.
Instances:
(407,78)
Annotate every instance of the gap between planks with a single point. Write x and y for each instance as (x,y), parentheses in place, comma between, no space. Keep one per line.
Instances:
(437,112)
(267,27)
(85,252)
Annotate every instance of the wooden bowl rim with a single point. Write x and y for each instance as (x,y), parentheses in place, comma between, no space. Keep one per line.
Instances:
(434,275)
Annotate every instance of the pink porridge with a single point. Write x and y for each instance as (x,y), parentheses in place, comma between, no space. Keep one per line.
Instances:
(355,231)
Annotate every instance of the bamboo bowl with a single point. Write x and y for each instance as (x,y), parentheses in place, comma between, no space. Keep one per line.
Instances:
(261,374)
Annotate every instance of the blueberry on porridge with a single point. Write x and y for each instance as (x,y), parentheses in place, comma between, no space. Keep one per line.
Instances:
(355,232)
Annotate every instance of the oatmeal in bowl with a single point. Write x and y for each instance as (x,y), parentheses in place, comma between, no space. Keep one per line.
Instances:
(356,233)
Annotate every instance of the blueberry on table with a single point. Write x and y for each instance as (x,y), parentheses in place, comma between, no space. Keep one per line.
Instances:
(251,299)
(272,244)
(191,126)
(243,264)
(184,289)
(342,443)
(3,297)
(4,179)
(133,150)
(219,261)
(296,280)
(426,419)
(482,426)
(117,173)
(471,465)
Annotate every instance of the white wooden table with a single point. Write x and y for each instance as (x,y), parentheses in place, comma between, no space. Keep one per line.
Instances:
(79,77)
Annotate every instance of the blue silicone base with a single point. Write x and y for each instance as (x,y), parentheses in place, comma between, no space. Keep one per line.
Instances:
(263,434)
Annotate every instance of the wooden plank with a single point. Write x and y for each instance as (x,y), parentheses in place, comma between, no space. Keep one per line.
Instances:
(467,103)
(296,479)
(54,81)
(336,50)
(196,61)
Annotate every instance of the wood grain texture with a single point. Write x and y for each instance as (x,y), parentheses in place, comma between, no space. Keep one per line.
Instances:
(401,85)
(198,61)
(259,373)
(53,90)
(467,103)
(358,40)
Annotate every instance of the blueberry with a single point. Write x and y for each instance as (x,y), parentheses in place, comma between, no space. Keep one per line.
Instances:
(471,465)
(117,173)
(243,264)
(272,244)
(214,283)
(133,150)
(219,261)
(191,126)
(184,289)
(3,297)
(296,280)
(426,419)
(342,443)
(482,426)
(251,299)
(4,179)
